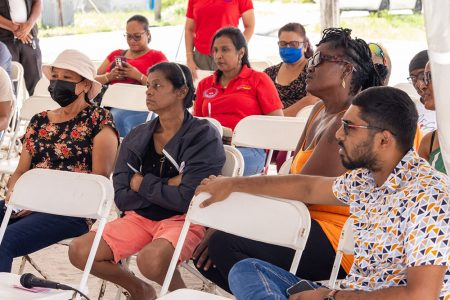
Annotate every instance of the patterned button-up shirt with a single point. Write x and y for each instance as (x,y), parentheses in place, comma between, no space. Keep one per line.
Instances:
(402,224)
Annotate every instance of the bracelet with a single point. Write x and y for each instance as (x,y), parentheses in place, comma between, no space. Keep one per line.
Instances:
(142,77)
(189,52)
(106,76)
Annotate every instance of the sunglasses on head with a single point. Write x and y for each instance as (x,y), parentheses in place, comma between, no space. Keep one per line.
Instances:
(378,51)
(291,44)
(414,78)
(346,125)
(136,36)
(319,58)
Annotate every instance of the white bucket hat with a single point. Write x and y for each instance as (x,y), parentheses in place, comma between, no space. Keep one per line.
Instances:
(79,63)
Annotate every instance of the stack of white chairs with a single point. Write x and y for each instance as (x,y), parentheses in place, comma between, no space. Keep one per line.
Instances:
(61,193)
(268,132)
(18,80)
(245,215)
(29,108)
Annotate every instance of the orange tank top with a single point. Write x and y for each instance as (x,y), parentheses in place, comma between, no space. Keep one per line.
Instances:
(330,218)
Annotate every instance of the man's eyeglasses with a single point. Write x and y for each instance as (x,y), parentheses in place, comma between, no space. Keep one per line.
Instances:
(427,77)
(347,126)
(136,36)
(291,44)
(319,58)
(378,51)
(414,78)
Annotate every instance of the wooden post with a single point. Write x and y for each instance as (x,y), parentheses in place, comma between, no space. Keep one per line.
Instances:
(329,14)
(157,10)
(60,12)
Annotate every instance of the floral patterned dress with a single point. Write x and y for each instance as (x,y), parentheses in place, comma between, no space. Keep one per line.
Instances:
(67,145)
(289,94)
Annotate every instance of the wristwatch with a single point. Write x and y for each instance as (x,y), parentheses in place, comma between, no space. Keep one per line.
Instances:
(331,295)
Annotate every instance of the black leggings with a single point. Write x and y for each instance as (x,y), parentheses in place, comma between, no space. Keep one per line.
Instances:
(226,249)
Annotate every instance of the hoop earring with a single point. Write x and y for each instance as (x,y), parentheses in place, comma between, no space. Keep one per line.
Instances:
(343,83)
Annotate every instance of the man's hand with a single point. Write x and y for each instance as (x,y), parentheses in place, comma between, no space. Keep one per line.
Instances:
(219,188)
(23,30)
(201,252)
(175,181)
(318,294)
(135,182)
(22,213)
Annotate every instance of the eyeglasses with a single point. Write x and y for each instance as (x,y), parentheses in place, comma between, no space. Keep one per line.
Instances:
(427,77)
(291,44)
(414,78)
(319,58)
(378,51)
(347,126)
(136,36)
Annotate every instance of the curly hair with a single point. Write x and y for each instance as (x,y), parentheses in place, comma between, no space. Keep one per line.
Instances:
(366,74)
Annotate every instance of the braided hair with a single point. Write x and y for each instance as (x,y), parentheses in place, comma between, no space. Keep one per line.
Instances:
(365,74)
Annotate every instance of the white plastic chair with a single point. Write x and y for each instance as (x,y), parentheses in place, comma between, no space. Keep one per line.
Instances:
(126,96)
(268,132)
(61,193)
(260,65)
(19,81)
(41,88)
(246,215)
(216,124)
(304,113)
(346,246)
(202,74)
(285,168)
(234,162)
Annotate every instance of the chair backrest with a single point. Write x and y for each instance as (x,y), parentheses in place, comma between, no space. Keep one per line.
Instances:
(126,96)
(216,124)
(260,65)
(346,246)
(285,168)
(275,221)
(41,88)
(19,81)
(36,104)
(234,162)
(201,74)
(64,193)
(268,132)
(304,113)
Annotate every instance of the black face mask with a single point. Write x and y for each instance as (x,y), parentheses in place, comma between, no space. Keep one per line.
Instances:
(63,92)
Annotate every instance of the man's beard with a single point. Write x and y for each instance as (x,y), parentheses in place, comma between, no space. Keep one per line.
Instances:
(362,157)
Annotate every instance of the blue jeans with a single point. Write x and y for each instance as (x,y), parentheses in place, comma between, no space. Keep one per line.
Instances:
(254,160)
(254,279)
(126,120)
(5,58)
(34,232)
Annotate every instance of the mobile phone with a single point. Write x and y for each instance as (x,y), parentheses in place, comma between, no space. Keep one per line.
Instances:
(120,60)
(301,286)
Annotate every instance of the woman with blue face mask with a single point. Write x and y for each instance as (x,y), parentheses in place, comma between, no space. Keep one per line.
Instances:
(289,76)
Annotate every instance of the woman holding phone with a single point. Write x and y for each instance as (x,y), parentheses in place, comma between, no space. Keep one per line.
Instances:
(130,66)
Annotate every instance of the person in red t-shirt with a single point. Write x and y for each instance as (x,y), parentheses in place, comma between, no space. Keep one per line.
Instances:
(236,91)
(204,18)
(133,69)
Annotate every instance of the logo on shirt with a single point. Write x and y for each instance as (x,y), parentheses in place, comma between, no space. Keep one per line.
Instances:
(244,87)
(210,93)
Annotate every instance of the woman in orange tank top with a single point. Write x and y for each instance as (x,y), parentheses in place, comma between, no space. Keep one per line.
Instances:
(339,69)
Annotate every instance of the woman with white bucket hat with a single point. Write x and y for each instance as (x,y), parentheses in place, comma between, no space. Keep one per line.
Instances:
(76,137)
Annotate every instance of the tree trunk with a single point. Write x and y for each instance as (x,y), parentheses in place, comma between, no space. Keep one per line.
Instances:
(329,14)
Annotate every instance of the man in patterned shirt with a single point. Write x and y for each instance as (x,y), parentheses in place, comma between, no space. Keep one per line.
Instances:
(400,207)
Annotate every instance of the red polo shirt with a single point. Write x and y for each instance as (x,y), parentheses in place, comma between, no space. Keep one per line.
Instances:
(249,93)
(212,15)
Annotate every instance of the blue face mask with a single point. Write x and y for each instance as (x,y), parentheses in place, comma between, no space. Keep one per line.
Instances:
(291,55)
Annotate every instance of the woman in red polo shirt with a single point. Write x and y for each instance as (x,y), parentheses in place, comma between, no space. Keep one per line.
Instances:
(236,91)
(204,18)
